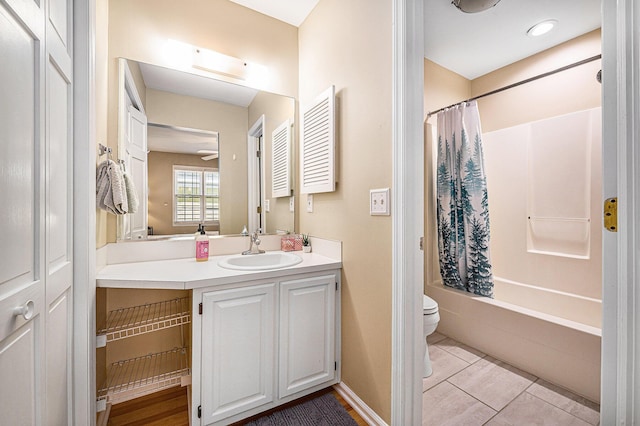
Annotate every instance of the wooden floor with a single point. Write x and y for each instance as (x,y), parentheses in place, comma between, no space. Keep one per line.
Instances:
(169,408)
(165,408)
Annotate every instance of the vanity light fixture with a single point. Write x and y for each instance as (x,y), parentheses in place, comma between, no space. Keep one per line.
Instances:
(185,56)
(209,60)
(542,28)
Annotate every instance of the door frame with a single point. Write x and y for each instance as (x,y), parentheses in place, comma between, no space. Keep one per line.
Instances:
(620,394)
(257,129)
(621,167)
(84,213)
(407,212)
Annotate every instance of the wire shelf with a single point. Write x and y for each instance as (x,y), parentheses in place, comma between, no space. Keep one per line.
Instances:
(136,377)
(128,322)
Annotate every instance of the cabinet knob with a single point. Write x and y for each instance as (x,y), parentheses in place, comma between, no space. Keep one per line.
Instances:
(25,310)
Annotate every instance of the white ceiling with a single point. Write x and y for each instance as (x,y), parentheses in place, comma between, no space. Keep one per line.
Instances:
(176,139)
(473,44)
(292,12)
(184,83)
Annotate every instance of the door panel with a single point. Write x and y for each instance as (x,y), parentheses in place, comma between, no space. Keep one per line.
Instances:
(59,217)
(58,200)
(238,348)
(18,367)
(22,118)
(307,330)
(58,359)
(19,78)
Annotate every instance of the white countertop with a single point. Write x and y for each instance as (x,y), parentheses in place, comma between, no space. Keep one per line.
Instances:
(187,274)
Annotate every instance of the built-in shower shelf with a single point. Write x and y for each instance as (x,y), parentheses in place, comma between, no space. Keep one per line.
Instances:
(137,320)
(136,377)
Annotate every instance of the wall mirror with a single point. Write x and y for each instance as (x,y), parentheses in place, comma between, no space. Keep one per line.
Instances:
(207,157)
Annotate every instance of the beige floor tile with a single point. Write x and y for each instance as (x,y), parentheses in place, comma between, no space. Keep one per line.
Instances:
(444,366)
(493,382)
(567,401)
(435,337)
(466,353)
(445,405)
(526,409)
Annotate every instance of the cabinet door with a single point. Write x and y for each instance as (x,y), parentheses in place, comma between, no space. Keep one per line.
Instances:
(238,347)
(307,333)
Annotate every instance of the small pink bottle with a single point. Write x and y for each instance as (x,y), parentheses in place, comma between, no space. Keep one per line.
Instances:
(202,245)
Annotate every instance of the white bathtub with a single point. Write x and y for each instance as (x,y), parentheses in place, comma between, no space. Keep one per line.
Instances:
(553,335)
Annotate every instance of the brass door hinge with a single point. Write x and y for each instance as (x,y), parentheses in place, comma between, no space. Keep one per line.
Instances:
(611,214)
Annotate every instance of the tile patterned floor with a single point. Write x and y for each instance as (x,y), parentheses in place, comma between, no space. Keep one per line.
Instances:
(469,388)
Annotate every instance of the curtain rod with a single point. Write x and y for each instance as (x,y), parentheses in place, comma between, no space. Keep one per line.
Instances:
(528,80)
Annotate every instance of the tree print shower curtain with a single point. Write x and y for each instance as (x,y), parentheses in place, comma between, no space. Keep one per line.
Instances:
(462,202)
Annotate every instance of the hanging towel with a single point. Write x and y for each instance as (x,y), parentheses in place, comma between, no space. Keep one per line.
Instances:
(132,196)
(110,188)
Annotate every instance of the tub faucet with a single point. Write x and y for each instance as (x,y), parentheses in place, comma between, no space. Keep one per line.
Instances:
(254,243)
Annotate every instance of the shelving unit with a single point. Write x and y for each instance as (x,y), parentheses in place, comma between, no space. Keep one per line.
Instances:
(135,377)
(137,320)
(143,375)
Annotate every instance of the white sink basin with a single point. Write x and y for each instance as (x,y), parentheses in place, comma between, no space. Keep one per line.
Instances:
(260,262)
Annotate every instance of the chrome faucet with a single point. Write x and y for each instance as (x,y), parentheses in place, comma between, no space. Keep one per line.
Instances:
(254,243)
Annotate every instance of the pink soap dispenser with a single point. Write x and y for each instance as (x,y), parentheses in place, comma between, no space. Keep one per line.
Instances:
(202,245)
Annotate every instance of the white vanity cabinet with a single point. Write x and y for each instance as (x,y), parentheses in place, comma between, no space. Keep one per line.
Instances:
(259,344)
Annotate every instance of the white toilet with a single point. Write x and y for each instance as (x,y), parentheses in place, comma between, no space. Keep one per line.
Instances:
(430,319)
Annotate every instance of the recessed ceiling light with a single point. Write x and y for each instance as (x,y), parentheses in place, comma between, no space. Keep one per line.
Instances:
(542,28)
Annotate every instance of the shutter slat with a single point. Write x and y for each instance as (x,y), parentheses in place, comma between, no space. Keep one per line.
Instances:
(281,160)
(317,145)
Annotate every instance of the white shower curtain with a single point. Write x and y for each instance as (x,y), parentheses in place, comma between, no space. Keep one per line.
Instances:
(462,202)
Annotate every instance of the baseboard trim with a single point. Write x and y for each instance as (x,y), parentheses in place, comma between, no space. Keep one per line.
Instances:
(367,414)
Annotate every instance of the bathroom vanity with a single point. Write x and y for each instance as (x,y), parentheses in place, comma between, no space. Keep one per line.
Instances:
(243,340)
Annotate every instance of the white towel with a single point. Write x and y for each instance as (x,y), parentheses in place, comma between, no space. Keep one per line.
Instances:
(132,196)
(110,189)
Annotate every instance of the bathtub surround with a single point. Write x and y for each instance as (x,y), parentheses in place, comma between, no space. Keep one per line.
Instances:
(462,204)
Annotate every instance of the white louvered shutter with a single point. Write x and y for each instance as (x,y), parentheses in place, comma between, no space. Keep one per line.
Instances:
(317,145)
(281,161)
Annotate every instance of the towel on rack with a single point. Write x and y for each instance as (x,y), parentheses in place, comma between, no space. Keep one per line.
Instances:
(110,188)
(130,189)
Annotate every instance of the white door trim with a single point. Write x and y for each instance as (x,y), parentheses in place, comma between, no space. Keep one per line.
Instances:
(407,211)
(257,130)
(84,213)
(621,158)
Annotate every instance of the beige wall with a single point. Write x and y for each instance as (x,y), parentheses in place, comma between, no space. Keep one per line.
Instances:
(442,87)
(572,90)
(348,44)
(139,30)
(230,122)
(276,110)
(160,172)
(559,94)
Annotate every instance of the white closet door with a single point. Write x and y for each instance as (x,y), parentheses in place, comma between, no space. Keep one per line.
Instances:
(36,216)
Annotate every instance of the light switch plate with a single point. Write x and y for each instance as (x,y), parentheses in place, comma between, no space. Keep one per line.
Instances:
(292,204)
(267,207)
(379,202)
(310,203)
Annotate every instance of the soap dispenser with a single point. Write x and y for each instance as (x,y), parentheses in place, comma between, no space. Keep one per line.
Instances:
(202,245)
